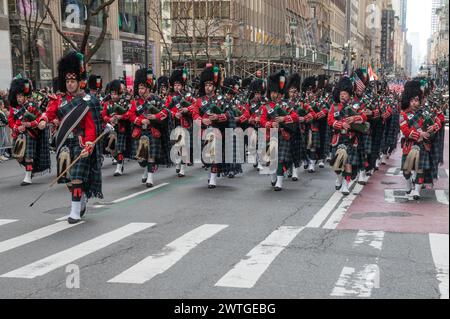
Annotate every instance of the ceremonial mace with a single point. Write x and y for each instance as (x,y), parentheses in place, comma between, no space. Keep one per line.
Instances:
(109,128)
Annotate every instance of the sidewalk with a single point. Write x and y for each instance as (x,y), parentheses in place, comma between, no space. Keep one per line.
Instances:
(383,204)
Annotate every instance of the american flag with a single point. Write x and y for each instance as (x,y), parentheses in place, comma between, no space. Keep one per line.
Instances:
(359,84)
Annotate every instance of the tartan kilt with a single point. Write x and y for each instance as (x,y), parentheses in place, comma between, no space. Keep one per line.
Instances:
(284,151)
(355,156)
(324,148)
(393,130)
(366,143)
(31,147)
(315,141)
(297,148)
(154,147)
(376,136)
(121,142)
(424,159)
(80,171)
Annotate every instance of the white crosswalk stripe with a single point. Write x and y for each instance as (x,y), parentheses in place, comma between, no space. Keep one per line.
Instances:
(7,221)
(360,283)
(439,248)
(34,235)
(247,272)
(171,254)
(46,265)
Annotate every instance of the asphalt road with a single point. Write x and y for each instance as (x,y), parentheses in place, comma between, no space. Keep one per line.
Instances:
(181,240)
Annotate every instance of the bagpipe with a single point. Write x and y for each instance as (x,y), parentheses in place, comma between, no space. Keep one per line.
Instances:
(352,110)
(281,110)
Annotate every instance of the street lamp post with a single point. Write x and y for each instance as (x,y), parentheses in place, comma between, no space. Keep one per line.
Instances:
(293,26)
(146,33)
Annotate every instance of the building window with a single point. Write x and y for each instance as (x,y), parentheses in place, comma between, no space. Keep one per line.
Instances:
(74,14)
(131,16)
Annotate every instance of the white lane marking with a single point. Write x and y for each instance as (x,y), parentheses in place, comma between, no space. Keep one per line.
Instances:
(169,256)
(439,250)
(133,195)
(392,171)
(373,239)
(122,199)
(340,212)
(325,211)
(247,272)
(441,197)
(48,264)
(357,284)
(7,221)
(34,235)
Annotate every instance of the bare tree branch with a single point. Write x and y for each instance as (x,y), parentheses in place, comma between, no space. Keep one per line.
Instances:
(58,29)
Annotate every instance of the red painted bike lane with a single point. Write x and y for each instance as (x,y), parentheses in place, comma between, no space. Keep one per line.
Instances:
(374,208)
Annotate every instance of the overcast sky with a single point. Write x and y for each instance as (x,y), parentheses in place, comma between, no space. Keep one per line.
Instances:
(419,20)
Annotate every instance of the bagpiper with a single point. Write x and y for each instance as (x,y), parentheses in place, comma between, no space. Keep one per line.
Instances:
(419,128)
(231,88)
(31,145)
(152,125)
(182,105)
(307,117)
(80,123)
(348,125)
(293,89)
(214,117)
(277,114)
(256,100)
(115,112)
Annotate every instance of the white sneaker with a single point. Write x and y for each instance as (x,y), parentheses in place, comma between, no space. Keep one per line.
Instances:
(279,184)
(362,179)
(149,181)
(311,167)
(3,158)
(294,174)
(119,170)
(75,210)
(212,181)
(338,183)
(144,176)
(27,179)
(344,189)
(416,192)
(273,179)
(409,186)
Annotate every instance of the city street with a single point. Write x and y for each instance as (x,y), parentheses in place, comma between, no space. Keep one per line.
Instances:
(242,240)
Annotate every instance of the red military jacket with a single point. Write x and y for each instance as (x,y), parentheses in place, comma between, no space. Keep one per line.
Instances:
(86,125)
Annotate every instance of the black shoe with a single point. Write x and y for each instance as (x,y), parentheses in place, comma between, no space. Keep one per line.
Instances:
(181,175)
(278,189)
(212,186)
(231,175)
(73,221)
(144,180)
(274,183)
(295,179)
(25,184)
(149,185)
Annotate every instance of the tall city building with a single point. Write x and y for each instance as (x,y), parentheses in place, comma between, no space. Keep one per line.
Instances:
(436,4)
(414,39)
